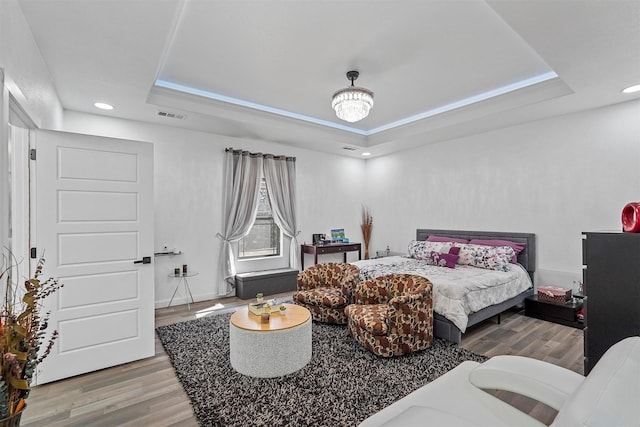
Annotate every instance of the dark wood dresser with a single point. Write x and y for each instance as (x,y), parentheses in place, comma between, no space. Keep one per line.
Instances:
(611,275)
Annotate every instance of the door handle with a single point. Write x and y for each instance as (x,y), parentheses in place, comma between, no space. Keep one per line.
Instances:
(144,260)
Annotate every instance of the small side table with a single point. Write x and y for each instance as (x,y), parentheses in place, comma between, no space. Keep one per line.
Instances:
(182,278)
(564,314)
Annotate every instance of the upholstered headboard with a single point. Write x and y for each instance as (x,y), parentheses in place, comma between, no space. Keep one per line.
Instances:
(527,258)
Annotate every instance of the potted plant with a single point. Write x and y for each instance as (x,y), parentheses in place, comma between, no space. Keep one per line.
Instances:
(283,309)
(259,297)
(22,334)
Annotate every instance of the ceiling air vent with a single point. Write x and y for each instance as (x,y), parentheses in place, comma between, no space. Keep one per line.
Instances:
(349,148)
(171,115)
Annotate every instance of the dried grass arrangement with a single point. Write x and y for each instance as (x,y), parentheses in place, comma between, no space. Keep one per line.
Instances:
(22,333)
(367,226)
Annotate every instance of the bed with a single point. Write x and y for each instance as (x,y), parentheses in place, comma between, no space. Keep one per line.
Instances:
(465,295)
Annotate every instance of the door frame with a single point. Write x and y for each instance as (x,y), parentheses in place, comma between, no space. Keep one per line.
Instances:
(14,110)
(4,161)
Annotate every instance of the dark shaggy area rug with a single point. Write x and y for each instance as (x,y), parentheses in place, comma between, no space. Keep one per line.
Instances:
(341,386)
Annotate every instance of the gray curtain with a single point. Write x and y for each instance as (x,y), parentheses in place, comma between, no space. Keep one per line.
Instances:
(280,178)
(242,174)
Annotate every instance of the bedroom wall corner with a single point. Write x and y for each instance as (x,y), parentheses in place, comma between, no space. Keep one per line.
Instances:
(555,177)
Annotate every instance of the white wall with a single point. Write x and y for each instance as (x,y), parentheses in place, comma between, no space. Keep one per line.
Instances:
(25,70)
(188,196)
(556,178)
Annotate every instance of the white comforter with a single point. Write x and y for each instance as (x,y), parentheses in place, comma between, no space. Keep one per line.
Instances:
(457,291)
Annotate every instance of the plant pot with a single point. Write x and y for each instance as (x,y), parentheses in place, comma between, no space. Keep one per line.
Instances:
(13,420)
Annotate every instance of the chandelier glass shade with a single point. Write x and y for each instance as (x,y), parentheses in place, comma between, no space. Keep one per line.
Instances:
(353,103)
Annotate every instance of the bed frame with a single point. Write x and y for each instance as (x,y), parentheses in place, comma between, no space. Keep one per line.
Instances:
(443,328)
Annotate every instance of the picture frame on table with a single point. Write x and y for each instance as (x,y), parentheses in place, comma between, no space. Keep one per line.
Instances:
(337,235)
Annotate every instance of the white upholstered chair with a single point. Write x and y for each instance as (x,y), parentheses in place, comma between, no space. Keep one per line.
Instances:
(608,396)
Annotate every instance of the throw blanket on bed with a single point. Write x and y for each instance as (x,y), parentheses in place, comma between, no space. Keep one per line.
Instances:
(458,291)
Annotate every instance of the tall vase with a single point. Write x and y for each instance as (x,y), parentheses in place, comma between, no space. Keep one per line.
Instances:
(13,420)
(366,235)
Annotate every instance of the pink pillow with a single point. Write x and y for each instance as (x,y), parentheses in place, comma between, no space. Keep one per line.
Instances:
(455,250)
(517,247)
(434,238)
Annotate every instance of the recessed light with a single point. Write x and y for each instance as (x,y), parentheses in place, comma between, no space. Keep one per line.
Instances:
(103,106)
(632,89)
(366,154)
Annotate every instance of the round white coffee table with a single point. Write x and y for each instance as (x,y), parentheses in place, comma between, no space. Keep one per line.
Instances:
(273,349)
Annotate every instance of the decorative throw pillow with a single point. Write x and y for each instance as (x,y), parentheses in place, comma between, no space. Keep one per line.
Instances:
(442,260)
(420,249)
(455,250)
(487,257)
(434,238)
(516,246)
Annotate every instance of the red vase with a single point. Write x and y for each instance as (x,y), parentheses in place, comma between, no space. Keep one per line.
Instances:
(631,217)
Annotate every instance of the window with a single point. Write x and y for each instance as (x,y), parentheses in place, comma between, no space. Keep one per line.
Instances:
(264,238)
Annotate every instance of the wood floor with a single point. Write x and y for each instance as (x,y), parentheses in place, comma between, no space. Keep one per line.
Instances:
(147,392)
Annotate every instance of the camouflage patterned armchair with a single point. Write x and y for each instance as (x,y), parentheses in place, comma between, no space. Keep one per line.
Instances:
(326,289)
(393,314)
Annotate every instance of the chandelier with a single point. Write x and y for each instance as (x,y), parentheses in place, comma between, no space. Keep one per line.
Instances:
(353,103)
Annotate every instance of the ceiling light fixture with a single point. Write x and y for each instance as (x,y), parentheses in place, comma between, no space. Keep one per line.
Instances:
(632,89)
(353,103)
(103,106)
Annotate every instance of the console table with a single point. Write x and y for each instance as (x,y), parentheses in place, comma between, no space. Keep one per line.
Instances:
(329,248)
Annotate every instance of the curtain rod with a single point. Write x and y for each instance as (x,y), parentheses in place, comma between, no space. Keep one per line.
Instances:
(275,156)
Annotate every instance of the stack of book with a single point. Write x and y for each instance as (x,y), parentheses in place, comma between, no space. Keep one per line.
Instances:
(260,307)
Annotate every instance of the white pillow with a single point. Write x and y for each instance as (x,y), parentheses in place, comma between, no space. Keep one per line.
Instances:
(487,257)
(421,249)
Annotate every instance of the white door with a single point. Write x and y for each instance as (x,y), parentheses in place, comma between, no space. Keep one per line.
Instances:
(94,219)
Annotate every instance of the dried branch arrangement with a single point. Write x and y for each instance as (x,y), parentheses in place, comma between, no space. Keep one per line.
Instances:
(367,226)
(22,334)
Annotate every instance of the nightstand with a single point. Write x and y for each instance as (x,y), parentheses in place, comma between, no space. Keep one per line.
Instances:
(563,314)
(383,253)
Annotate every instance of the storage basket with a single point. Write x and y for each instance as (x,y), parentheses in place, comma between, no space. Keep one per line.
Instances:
(554,294)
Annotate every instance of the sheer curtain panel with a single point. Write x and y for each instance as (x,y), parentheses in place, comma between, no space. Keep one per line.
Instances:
(280,178)
(242,175)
